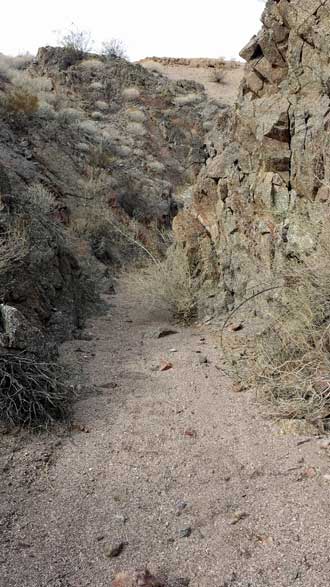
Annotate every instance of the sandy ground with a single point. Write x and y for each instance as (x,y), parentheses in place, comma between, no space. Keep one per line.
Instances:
(174,464)
(226,92)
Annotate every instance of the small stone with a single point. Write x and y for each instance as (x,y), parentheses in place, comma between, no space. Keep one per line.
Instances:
(238,388)
(236,326)
(138,578)
(84,337)
(309,473)
(180,506)
(238,516)
(165,332)
(80,428)
(122,518)
(203,360)
(173,350)
(185,532)
(326,477)
(265,540)
(114,550)
(190,433)
(324,444)
(165,366)
(109,385)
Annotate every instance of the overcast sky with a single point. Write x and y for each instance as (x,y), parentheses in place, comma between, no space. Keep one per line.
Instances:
(174,28)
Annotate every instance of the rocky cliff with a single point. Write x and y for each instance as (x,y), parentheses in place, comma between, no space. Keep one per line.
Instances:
(262,199)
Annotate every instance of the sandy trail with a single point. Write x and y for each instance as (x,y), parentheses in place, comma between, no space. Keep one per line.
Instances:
(184,471)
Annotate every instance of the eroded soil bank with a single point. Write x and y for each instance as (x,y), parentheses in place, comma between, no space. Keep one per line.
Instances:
(174,465)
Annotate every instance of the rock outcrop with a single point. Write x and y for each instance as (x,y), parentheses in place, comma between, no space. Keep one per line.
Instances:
(262,199)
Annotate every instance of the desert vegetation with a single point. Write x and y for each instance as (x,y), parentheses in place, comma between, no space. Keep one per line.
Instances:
(32,392)
(218,76)
(292,358)
(114,49)
(165,283)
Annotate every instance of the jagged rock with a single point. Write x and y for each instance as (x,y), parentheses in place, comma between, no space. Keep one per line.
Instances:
(17,334)
(267,202)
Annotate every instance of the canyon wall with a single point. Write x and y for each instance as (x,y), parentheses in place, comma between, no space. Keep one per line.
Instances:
(261,201)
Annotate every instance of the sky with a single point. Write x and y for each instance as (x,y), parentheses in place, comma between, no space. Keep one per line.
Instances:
(171,28)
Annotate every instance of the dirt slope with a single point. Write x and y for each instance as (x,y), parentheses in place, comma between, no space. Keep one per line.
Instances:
(154,456)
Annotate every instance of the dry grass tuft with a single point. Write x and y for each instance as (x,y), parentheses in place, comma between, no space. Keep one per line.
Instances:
(13,248)
(291,359)
(186,99)
(131,93)
(165,284)
(19,101)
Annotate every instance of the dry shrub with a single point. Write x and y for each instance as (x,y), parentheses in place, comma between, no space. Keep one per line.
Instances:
(68,116)
(97,85)
(88,127)
(185,99)
(13,249)
(136,129)
(131,93)
(92,64)
(31,392)
(291,359)
(101,105)
(218,76)
(20,101)
(35,85)
(136,115)
(156,166)
(19,62)
(41,198)
(10,65)
(114,49)
(76,40)
(165,284)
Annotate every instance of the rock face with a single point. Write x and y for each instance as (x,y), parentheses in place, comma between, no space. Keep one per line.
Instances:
(262,199)
(41,282)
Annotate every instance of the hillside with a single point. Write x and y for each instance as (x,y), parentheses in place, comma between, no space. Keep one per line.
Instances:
(106,149)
